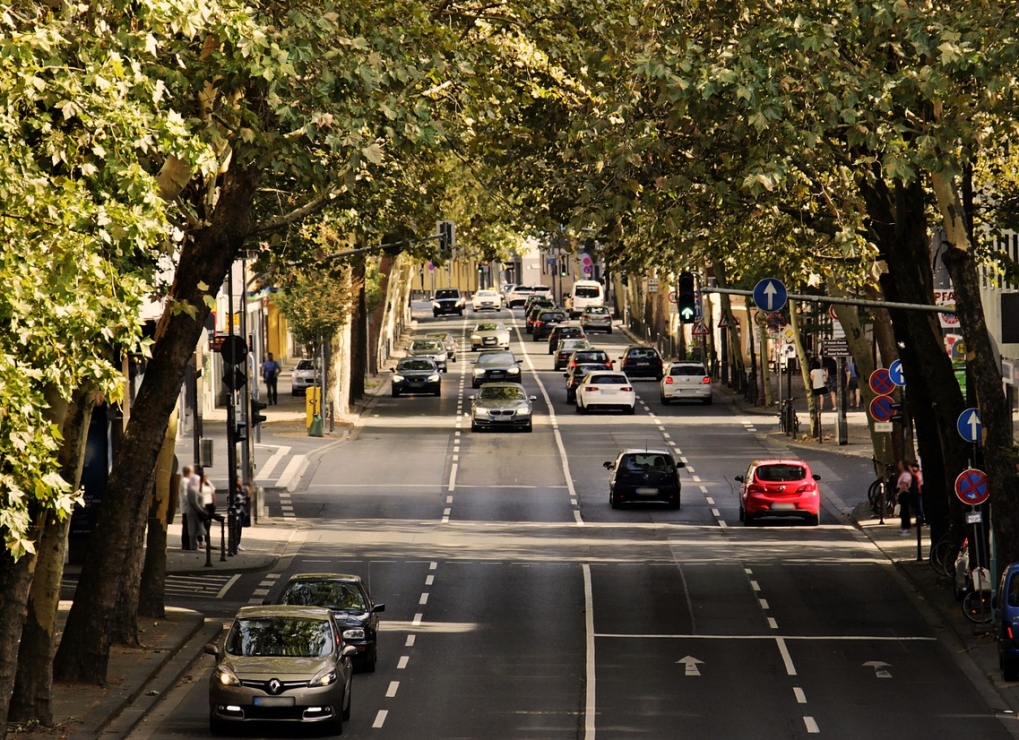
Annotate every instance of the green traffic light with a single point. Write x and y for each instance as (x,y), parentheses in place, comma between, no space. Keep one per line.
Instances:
(687,314)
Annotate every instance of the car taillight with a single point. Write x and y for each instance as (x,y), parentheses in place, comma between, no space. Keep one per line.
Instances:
(807,489)
(706,380)
(1008,632)
(668,380)
(592,388)
(627,389)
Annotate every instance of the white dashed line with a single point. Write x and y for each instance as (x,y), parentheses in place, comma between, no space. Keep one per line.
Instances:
(402,663)
(417,619)
(410,640)
(755,586)
(763,603)
(786,657)
(711,501)
(812,727)
(429,580)
(380,719)
(801,698)
(424,599)
(393,688)
(772,623)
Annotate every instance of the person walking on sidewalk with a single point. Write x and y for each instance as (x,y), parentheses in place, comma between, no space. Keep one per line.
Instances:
(182,507)
(196,511)
(818,383)
(270,374)
(243,509)
(905,488)
(852,385)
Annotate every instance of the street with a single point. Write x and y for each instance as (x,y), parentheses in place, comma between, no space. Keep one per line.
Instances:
(520,605)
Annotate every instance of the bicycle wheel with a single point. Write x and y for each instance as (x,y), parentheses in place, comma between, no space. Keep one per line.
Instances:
(940,552)
(976,605)
(873,495)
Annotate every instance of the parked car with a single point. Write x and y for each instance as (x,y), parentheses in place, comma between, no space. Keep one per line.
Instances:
(565,350)
(642,475)
(605,389)
(348,598)
(446,301)
(281,664)
(495,366)
(590,356)
(302,378)
(516,297)
(564,331)
(1006,627)
(490,335)
(780,487)
(486,300)
(532,312)
(545,322)
(416,375)
(596,318)
(431,349)
(448,341)
(573,378)
(641,362)
(685,380)
(502,406)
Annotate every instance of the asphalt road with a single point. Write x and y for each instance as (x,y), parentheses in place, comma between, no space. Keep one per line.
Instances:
(520,605)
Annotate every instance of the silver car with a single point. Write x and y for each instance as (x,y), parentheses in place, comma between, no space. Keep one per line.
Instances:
(596,318)
(490,335)
(430,348)
(303,378)
(685,380)
(448,341)
(502,406)
(281,664)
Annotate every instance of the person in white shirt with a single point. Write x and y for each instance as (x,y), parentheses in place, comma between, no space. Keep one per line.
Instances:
(818,383)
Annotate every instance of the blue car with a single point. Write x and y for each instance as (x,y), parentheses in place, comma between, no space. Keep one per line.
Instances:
(1007,623)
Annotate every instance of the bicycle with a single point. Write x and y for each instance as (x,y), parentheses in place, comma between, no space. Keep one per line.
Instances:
(943,554)
(976,605)
(788,421)
(880,493)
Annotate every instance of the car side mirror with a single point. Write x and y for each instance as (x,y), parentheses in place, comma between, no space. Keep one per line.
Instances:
(348,651)
(817,477)
(378,608)
(212,649)
(738,478)
(533,398)
(519,361)
(609,465)
(471,398)
(566,375)
(680,464)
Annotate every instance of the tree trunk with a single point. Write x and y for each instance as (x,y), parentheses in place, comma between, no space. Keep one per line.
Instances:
(15,580)
(33,684)
(736,370)
(801,357)
(151,601)
(999,454)
(84,649)
(359,335)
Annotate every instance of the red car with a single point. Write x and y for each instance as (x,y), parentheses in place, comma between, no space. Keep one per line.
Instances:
(782,487)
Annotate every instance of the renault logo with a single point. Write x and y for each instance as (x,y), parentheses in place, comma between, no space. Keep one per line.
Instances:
(275,686)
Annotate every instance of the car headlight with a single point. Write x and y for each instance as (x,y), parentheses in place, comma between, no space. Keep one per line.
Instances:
(478,372)
(433,378)
(436,304)
(324,678)
(523,412)
(513,371)
(482,413)
(476,338)
(225,676)
(398,378)
(354,634)
(440,358)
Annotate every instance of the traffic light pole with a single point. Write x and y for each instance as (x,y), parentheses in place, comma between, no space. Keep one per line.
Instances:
(231,432)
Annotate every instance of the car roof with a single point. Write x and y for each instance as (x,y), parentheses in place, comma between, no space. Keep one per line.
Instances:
(645,451)
(617,373)
(502,385)
(344,577)
(780,461)
(281,610)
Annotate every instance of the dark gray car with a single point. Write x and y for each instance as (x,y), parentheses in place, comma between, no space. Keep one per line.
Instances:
(502,406)
(495,366)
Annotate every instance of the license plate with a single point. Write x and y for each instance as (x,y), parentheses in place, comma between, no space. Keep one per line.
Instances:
(488,340)
(498,374)
(273,701)
(644,491)
(783,507)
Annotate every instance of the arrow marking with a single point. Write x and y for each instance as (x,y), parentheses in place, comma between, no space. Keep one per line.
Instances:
(690,665)
(879,668)
(974,425)
(770,290)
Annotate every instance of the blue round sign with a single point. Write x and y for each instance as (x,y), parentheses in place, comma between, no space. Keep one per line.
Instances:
(971,487)
(881,408)
(895,373)
(770,295)
(969,426)
(880,382)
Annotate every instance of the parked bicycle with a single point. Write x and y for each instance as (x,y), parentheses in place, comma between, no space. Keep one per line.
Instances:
(944,554)
(976,604)
(881,493)
(788,421)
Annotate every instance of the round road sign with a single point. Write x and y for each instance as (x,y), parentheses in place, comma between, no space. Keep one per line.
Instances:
(880,382)
(881,408)
(969,426)
(971,487)
(234,350)
(770,295)
(895,373)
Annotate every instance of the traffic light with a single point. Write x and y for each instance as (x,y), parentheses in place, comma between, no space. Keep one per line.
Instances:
(685,300)
(235,377)
(481,268)
(562,266)
(447,239)
(898,411)
(256,416)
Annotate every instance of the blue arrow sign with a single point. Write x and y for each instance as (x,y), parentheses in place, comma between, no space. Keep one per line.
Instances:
(770,295)
(969,425)
(895,373)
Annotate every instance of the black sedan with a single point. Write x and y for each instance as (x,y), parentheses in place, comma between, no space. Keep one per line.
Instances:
(347,597)
(502,406)
(642,362)
(640,475)
(417,375)
(495,367)
(546,321)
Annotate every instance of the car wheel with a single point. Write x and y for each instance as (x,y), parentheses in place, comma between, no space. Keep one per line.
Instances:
(475,427)
(347,700)
(580,409)
(474,384)
(613,501)
(707,401)
(293,393)
(674,504)
(741,513)
(445,369)
(396,393)
(631,410)
(438,392)
(530,427)
(460,312)
(570,398)
(1009,670)
(369,666)
(435,314)
(609,330)
(658,377)
(535,338)
(813,520)
(216,725)
(666,401)
(748,519)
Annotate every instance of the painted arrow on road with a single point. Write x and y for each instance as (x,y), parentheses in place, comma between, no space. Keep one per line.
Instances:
(879,668)
(690,664)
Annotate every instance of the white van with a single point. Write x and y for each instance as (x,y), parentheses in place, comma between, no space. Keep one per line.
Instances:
(585,293)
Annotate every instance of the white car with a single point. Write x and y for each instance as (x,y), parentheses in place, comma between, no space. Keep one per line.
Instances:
(606,389)
(685,380)
(518,296)
(490,335)
(486,300)
(303,378)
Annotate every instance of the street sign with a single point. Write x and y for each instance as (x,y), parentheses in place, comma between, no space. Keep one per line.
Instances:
(882,426)
(969,425)
(652,285)
(700,329)
(881,408)
(770,295)
(836,348)
(672,296)
(234,349)
(971,487)
(974,517)
(880,382)
(895,373)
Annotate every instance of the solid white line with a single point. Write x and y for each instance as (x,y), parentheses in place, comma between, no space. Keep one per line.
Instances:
(819,638)
(380,719)
(393,688)
(801,698)
(452,477)
(402,663)
(589,700)
(812,727)
(786,657)
(232,581)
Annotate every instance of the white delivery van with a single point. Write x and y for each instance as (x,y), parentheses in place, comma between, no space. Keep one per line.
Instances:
(585,293)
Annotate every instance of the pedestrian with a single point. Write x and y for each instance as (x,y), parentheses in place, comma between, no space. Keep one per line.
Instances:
(831,380)
(916,493)
(197,528)
(904,488)
(243,507)
(818,383)
(270,374)
(208,492)
(182,507)
(852,384)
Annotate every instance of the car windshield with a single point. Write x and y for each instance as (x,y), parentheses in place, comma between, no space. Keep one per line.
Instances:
(780,473)
(584,291)
(697,370)
(585,369)
(334,595)
(501,358)
(306,365)
(585,356)
(487,327)
(405,365)
(552,316)
(572,344)
(501,393)
(570,331)
(423,346)
(597,311)
(447,293)
(608,379)
(295,637)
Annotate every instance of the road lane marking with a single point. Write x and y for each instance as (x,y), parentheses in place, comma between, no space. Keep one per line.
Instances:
(410,640)
(755,586)
(432,565)
(786,638)
(380,719)
(589,700)
(429,580)
(424,599)
(764,604)
(416,622)
(402,663)
(452,477)
(812,727)
(711,501)
(227,585)
(393,688)
(786,657)
(801,698)
(772,623)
